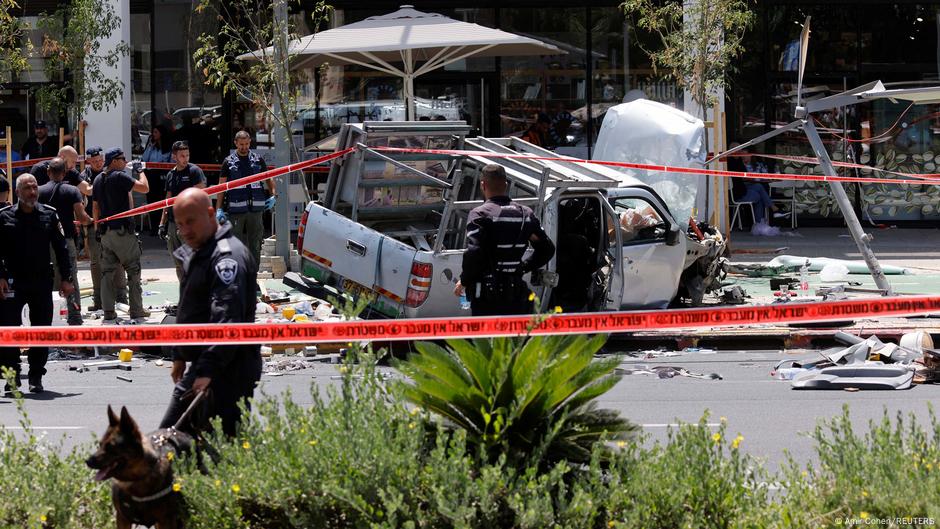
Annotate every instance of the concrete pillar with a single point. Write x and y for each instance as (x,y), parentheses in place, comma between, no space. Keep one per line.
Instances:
(111,127)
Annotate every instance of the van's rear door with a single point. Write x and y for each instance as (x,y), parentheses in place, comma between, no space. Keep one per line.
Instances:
(356,259)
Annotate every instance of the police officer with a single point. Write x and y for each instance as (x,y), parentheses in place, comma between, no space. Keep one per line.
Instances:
(244,206)
(181,177)
(218,287)
(119,242)
(72,176)
(498,233)
(27,232)
(94,165)
(67,201)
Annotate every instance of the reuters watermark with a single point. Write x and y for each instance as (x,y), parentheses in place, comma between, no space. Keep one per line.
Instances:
(864,520)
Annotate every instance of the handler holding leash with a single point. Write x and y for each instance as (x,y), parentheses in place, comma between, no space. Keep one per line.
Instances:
(218,287)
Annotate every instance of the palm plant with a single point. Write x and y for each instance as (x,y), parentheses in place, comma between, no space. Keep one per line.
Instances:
(530,399)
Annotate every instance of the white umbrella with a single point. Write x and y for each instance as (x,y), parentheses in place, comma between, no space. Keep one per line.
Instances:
(409,37)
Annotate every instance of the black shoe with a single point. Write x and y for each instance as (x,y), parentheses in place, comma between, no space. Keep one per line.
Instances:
(35,385)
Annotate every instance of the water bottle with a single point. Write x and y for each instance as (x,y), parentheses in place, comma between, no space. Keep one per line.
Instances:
(804,276)
(464,302)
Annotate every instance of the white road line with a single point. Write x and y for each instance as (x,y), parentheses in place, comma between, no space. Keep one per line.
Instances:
(676,425)
(40,428)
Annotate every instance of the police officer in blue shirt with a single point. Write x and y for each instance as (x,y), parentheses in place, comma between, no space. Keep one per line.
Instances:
(245,205)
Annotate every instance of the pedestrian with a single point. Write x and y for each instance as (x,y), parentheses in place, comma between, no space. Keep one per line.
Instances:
(537,133)
(181,177)
(244,206)
(40,144)
(119,243)
(157,150)
(72,177)
(94,165)
(753,191)
(28,230)
(67,201)
(218,288)
(498,234)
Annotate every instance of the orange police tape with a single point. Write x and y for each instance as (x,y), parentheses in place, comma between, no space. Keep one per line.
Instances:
(466,327)
(216,189)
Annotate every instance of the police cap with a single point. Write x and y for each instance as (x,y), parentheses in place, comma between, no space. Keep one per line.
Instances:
(113,154)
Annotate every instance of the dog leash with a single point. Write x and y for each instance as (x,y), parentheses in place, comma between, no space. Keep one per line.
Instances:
(189,410)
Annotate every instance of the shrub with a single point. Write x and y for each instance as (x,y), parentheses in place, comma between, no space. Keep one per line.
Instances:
(530,400)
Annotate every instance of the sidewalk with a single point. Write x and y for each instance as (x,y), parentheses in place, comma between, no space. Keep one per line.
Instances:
(918,249)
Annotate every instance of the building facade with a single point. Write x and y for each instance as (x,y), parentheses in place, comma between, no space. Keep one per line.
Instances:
(852,43)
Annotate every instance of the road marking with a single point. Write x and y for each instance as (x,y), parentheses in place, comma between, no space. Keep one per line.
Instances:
(43,428)
(676,425)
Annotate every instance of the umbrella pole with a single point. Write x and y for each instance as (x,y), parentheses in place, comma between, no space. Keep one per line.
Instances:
(409,87)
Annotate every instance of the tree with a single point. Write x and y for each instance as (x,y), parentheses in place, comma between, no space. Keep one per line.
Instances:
(247,26)
(13,46)
(72,47)
(700,41)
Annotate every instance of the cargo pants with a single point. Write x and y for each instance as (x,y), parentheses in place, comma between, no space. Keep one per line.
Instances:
(94,258)
(121,247)
(249,228)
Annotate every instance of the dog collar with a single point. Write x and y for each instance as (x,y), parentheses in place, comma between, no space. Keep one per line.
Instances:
(157,496)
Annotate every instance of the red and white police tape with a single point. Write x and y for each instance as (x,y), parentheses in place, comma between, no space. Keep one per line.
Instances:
(220,188)
(465,327)
(922,179)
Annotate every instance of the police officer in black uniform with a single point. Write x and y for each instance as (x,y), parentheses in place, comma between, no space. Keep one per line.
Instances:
(27,231)
(218,287)
(498,234)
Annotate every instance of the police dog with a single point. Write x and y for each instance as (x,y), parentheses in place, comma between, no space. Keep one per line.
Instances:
(141,472)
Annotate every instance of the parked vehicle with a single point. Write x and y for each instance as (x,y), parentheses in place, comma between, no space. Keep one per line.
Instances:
(393,225)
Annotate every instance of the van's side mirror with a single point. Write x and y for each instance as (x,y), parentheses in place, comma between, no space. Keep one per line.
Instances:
(672,236)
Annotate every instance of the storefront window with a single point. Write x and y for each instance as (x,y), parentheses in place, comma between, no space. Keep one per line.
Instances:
(184,107)
(833,41)
(551,89)
(141,81)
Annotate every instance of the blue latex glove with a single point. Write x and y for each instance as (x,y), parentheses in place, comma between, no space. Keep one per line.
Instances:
(269,203)
(220,216)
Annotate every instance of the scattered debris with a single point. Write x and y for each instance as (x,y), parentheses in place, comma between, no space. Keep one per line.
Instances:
(734,296)
(868,364)
(125,379)
(666,372)
(816,264)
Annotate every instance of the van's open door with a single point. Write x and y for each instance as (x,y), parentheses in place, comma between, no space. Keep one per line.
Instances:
(613,257)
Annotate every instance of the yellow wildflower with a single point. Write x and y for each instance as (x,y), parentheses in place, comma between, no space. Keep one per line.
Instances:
(611,524)
(312,442)
(716,437)
(531,296)
(411,426)
(169,456)
(177,487)
(621,444)
(42,518)
(558,311)
(737,441)
(246,445)
(864,493)
(415,411)
(863,515)
(236,489)
(218,482)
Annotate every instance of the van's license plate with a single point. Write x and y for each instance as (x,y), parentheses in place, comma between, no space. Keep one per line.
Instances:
(355,289)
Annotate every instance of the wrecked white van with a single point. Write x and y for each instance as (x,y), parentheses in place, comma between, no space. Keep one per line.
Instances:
(392,225)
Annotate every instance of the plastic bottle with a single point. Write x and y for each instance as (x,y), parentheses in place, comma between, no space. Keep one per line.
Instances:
(804,276)
(464,302)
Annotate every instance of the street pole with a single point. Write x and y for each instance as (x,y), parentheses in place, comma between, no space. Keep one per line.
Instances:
(862,239)
(282,135)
